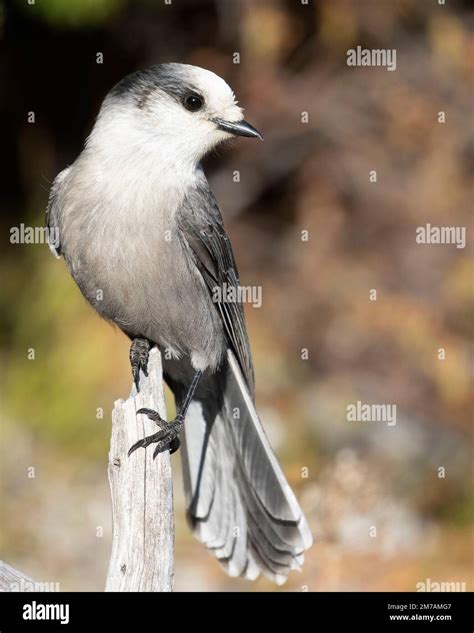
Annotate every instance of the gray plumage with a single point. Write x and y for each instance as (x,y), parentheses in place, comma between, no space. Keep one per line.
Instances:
(144,239)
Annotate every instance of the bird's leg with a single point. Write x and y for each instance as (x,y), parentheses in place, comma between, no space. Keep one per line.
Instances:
(139,351)
(168,435)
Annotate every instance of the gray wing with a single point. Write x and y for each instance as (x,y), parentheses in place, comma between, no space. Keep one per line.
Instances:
(53,212)
(202,230)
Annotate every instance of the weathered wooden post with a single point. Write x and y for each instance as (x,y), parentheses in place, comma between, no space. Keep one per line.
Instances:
(142,494)
(13,580)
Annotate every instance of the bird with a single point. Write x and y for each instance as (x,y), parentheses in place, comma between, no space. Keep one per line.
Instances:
(143,237)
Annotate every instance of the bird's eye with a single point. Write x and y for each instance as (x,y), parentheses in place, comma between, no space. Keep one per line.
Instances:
(193,102)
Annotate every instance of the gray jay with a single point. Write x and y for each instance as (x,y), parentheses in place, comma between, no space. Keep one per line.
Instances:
(143,237)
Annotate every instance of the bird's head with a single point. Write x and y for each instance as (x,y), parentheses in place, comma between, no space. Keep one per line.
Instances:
(179,110)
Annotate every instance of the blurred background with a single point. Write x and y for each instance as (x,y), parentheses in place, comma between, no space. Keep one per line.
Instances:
(307,176)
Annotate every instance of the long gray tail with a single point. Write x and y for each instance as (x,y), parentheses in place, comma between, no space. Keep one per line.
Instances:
(239,503)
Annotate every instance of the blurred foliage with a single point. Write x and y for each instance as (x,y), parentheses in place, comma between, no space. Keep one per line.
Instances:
(73,13)
(312,177)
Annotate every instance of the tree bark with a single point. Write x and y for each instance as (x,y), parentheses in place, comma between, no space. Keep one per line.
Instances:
(13,580)
(142,494)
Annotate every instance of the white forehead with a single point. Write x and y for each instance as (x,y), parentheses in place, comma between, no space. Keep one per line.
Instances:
(214,89)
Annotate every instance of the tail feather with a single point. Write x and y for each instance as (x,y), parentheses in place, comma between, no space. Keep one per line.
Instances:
(238,501)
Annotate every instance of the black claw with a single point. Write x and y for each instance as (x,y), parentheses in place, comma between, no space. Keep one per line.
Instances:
(146,441)
(134,447)
(160,448)
(174,445)
(139,352)
(166,439)
(153,415)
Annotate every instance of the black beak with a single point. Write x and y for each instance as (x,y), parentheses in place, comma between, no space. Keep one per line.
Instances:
(239,128)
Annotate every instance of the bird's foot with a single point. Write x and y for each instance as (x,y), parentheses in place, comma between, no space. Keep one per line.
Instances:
(167,437)
(139,352)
